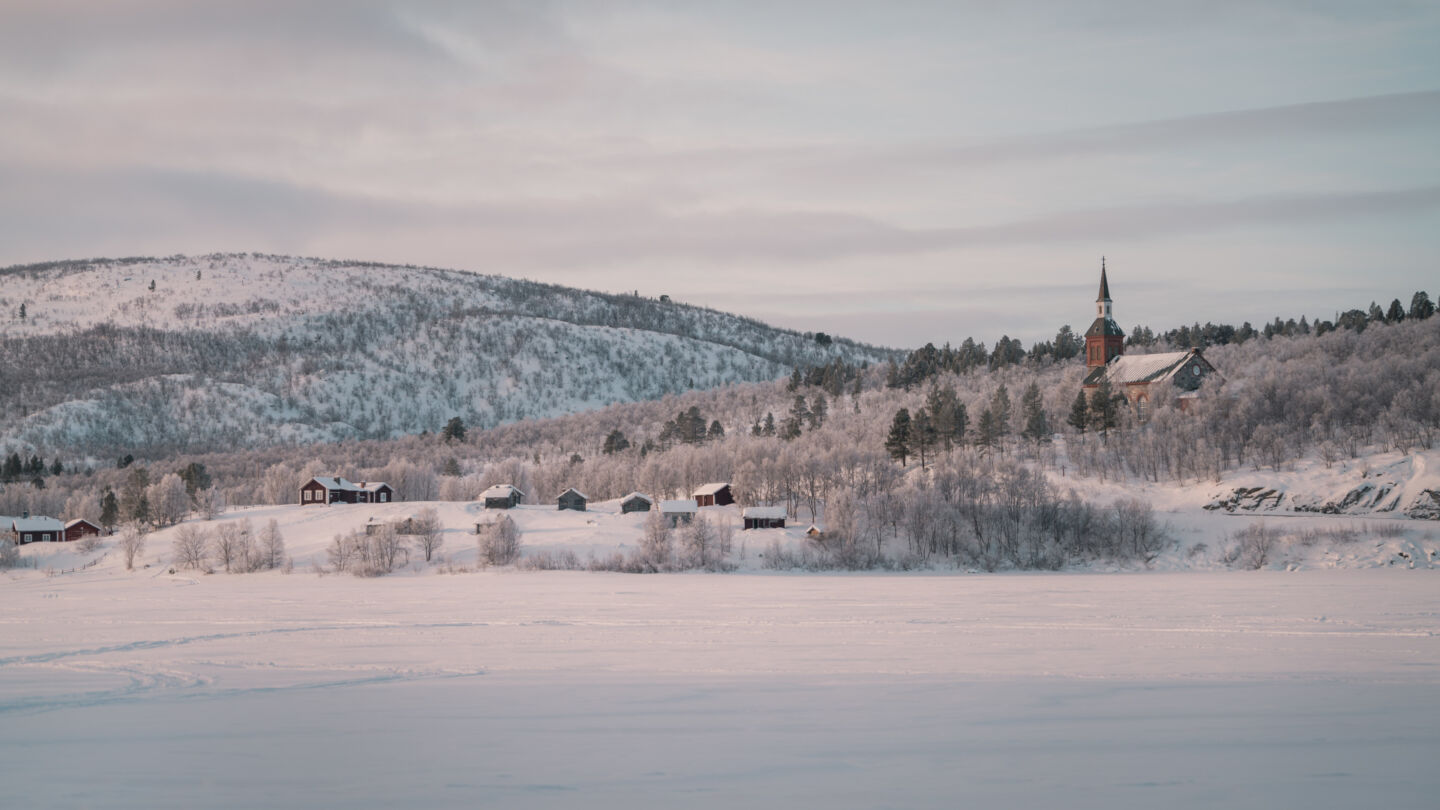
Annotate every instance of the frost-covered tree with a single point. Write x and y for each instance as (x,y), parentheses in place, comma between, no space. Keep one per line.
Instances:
(191,547)
(272,546)
(429,534)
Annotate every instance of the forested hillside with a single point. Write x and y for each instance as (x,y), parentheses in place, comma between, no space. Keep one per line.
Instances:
(993,469)
(218,353)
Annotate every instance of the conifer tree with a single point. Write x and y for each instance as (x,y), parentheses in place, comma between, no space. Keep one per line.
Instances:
(923,436)
(1104,408)
(1037,426)
(898,442)
(109,510)
(1079,414)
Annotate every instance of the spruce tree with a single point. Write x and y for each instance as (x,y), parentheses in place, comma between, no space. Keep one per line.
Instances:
(1104,408)
(1079,414)
(1037,426)
(109,510)
(987,431)
(898,442)
(923,436)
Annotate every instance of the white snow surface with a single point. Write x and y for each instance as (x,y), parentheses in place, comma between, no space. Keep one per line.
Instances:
(505,688)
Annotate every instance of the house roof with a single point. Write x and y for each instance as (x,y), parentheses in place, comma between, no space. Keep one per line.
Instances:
(338,483)
(582,495)
(632,496)
(78,521)
(501,491)
(1104,327)
(764,512)
(688,505)
(38,524)
(1138,368)
(710,489)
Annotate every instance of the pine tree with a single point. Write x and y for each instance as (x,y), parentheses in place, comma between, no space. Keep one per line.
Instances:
(818,411)
(109,510)
(1079,414)
(898,442)
(1421,307)
(1037,425)
(454,430)
(716,432)
(769,429)
(57,468)
(1104,408)
(923,436)
(1000,408)
(615,442)
(22,311)
(987,430)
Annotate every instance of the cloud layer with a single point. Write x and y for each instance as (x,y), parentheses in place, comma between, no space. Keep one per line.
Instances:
(843,167)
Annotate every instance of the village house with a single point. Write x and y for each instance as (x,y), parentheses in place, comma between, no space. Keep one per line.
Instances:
(635,502)
(678,512)
(26,529)
(716,494)
(763,517)
(327,490)
(815,532)
(80,527)
(572,499)
(502,496)
(1137,377)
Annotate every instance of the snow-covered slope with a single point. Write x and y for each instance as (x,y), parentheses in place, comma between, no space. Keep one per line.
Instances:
(218,352)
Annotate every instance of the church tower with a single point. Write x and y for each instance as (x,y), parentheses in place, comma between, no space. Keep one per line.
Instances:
(1104,339)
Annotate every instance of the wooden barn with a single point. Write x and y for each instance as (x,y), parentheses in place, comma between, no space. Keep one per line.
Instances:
(678,512)
(502,496)
(764,517)
(572,499)
(635,502)
(716,494)
(815,532)
(36,530)
(328,490)
(79,527)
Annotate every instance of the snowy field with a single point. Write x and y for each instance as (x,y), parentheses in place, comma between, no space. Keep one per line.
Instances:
(569,689)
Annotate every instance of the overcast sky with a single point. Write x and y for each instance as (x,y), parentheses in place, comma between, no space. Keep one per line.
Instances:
(898,172)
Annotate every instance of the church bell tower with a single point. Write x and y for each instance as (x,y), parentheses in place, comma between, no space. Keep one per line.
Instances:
(1104,339)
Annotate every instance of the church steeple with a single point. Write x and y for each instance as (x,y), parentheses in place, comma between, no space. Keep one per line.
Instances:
(1104,339)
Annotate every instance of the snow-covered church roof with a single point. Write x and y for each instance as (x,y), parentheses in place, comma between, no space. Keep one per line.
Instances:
(1142,368)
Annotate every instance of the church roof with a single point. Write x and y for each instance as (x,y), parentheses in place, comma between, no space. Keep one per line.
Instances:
(1141,368)
(1104,327)
(1104,284)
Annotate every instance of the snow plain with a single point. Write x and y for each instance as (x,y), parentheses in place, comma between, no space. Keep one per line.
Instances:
(566,689)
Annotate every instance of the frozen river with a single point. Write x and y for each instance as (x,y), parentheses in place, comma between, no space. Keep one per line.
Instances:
(1262,689)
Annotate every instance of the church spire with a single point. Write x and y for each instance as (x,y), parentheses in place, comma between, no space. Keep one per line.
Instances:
(1104,284)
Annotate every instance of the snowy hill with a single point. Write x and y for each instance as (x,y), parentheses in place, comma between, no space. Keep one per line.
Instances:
(224,351)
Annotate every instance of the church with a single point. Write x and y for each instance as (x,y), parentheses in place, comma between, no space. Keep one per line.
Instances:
(1136,377)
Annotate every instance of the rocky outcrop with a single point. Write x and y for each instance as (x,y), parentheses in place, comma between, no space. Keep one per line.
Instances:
(1426,505)
(1249,499)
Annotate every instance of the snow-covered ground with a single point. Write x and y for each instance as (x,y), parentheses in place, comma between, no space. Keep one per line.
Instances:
(569,689)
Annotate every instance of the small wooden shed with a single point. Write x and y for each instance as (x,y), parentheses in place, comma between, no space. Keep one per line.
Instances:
(502,496)
(764,517)
(678,512)
(573,499)
(635,502)
(714,494)
(79,527)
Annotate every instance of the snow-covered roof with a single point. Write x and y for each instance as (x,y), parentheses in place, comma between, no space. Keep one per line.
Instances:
(687,505)
(1137,368)
(632,496)
(78,521)
(38,524)
(501,491)
(764,512)
(813,529)
(710,489)
(582,495)
(338,483)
